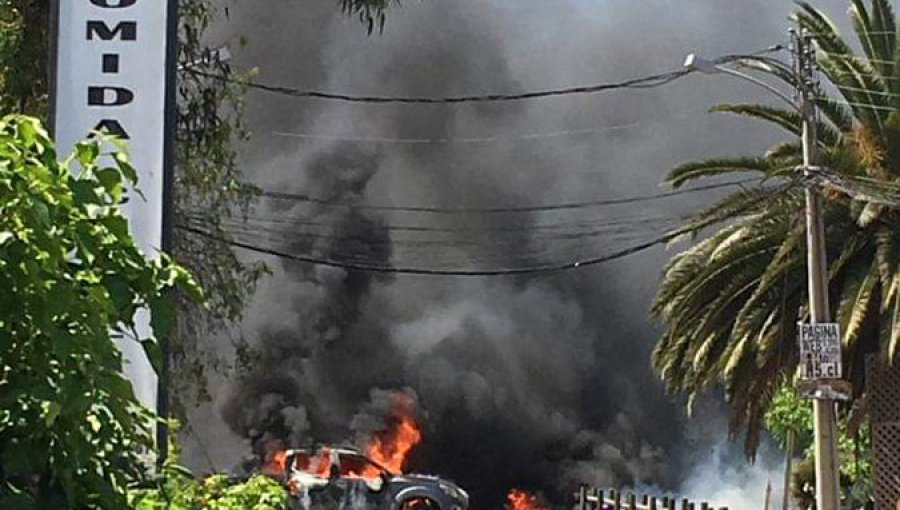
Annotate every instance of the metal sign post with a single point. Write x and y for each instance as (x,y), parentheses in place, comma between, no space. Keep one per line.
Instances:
(114,71)
(820,367)
(820,351)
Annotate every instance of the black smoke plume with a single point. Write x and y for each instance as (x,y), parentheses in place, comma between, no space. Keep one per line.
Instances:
(538,382)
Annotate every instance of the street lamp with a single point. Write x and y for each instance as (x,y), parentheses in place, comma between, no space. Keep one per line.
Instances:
(706,66)
(827,462)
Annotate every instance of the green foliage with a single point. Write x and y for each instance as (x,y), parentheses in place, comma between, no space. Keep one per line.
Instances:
(176,488)
(208,188)
(70,426)
(208,191)
(730,302)
(23,56)
(791,412)
(181,491)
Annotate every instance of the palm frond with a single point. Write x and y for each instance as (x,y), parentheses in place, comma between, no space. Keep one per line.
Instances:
(855,306)
(687,172)
(855,78)
(788,120)
(876,33)
(838,113)
(730,302)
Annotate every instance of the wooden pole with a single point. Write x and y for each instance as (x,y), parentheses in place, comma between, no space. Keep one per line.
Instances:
(788,467)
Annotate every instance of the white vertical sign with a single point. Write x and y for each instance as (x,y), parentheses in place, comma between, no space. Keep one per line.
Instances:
(111,73)
(820,351)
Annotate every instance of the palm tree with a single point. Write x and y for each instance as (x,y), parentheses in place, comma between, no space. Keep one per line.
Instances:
(730,302)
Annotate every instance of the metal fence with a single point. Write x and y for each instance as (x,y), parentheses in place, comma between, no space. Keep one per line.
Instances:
(590,498)
(884,407)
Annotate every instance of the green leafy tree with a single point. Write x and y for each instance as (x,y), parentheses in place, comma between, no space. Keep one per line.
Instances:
(208,187)
(178,489)
(23,56)
(730,303)
(790,413)
(71,430)
(181,491)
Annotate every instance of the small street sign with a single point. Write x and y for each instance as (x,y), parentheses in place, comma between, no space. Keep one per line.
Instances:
(820,351)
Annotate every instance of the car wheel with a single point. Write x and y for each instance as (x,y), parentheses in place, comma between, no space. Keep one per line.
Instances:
(420,504)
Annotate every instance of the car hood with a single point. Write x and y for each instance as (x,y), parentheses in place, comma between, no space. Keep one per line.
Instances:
(428,480)
(419,478)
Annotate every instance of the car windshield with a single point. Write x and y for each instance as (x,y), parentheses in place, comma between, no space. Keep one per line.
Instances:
(318,464)
(357,466)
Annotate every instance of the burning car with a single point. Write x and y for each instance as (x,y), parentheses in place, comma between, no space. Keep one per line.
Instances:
(344,477)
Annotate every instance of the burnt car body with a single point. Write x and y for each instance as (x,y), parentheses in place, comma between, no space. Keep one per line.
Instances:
(344,477)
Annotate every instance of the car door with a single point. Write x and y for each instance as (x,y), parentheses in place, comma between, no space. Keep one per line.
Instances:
(366,483)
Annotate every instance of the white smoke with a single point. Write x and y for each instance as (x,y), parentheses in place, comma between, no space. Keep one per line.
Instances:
(726,481)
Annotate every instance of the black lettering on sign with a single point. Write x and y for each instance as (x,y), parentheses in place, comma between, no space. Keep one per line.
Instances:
(125,31)
(113,4)
(112,127)
(110,63)
(109,96)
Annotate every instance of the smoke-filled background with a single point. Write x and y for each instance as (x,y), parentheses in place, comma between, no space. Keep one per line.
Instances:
(539,382)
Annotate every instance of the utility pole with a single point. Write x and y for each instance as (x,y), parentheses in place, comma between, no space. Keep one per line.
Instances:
(827,461)
(788,463)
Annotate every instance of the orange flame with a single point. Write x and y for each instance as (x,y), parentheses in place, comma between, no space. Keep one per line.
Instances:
(278,460)
(520,500)
(322,463)
(392,447)
(275,458)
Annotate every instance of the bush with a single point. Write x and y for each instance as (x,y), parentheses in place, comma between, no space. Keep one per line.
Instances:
(217,492)
(71,430)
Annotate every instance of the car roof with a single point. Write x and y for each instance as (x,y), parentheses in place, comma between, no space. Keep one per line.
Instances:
(340,449)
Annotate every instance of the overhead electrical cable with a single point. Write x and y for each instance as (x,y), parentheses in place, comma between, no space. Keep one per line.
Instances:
(307,222)
(868,91)
(644,82)
(468,240)
(525,137)
(655,80)
(861,188)
(278,195)
(362,266)
(869,105)
(357,264)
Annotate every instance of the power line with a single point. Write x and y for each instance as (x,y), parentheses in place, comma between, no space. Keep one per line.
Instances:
(364,238)
(472,140)
(356,266)
(491,210)
(644,82)
(363,265)
(309,222)
(868,91)
(869,106)
(526,137)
